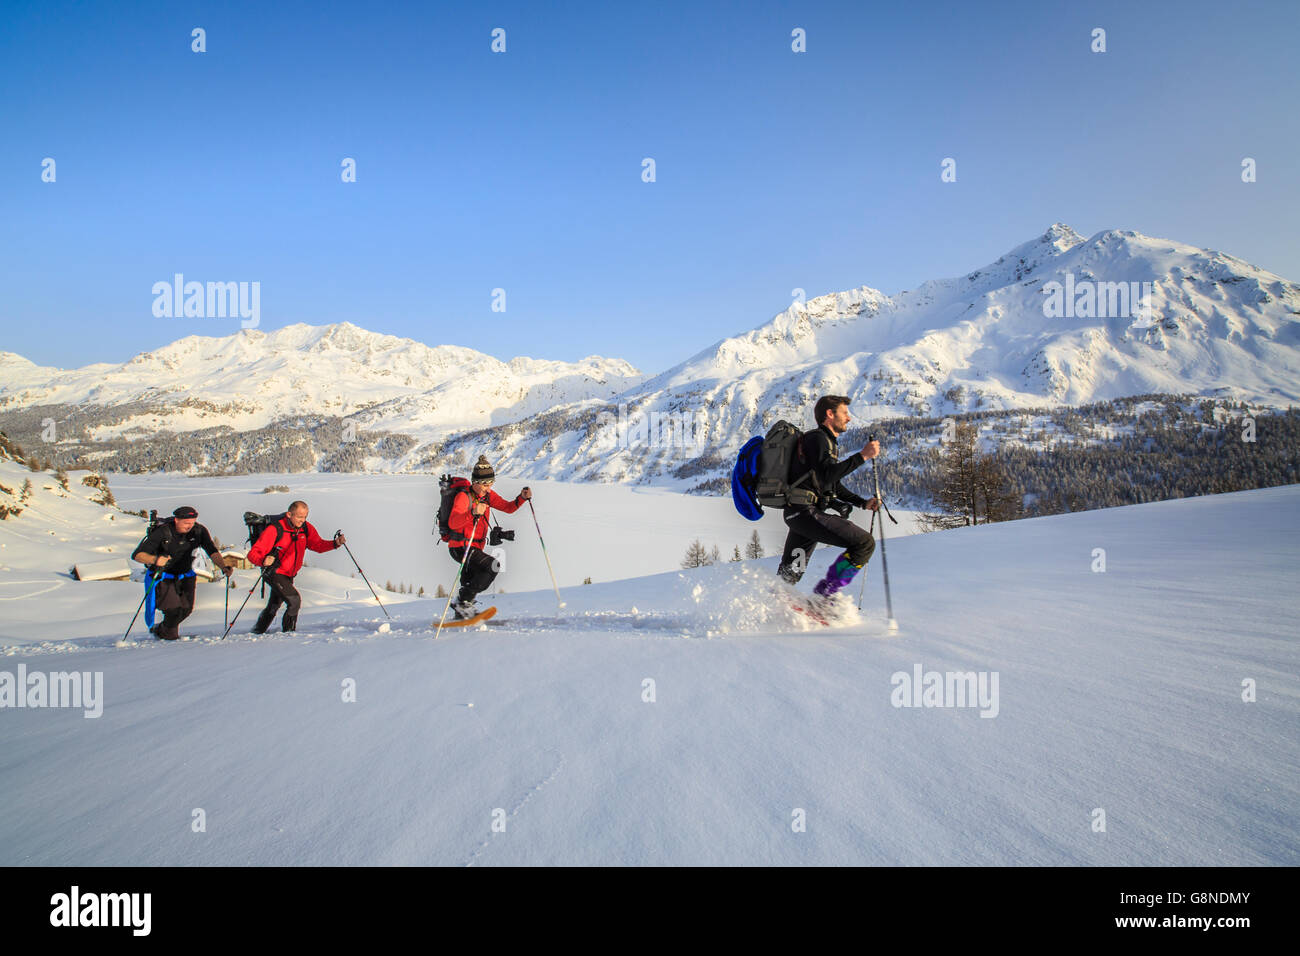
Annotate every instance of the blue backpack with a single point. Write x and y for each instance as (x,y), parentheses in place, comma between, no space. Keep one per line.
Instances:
(744,476)
(761,475)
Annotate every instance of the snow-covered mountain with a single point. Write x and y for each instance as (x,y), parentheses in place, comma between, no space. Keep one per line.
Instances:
(1060,320)
(251,378)
(1000,337)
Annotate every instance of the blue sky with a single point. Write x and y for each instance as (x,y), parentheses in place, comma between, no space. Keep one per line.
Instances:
(522,170)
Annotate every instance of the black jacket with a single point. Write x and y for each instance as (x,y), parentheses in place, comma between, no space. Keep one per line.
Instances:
(821,452)
(165,539)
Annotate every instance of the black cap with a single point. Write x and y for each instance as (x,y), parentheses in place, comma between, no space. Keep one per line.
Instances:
(185,511)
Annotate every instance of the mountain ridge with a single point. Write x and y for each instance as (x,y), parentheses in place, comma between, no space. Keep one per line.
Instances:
(1211,324)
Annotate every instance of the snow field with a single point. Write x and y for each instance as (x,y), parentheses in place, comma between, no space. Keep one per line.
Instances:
(615,734)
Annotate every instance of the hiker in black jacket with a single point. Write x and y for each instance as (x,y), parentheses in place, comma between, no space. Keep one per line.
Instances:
(806,513)
(169,549)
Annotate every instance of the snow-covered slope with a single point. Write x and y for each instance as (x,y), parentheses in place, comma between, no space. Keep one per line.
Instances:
(253,378)
(1214,325)
(1157,697)
(1217,323)
(1217,326)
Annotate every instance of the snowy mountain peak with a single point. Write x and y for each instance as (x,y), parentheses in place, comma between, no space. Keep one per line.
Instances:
(1146,315)
(252,378)
(1061,236)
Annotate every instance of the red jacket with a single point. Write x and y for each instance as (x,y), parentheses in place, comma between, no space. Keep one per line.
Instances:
(292,542)
(462,521)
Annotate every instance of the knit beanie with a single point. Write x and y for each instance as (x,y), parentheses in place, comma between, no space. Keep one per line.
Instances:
(483,470)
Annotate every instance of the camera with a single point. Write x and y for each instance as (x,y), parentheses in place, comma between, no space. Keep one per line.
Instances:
(499,534)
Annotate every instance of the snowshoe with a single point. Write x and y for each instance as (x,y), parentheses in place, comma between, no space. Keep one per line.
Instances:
(478,618)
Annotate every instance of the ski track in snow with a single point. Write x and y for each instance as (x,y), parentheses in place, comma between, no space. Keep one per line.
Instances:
(528,794)
(30,594)
(750,601)
(331,631)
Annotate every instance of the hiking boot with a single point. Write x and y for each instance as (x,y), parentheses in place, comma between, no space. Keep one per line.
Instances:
(838,575)
(463,610)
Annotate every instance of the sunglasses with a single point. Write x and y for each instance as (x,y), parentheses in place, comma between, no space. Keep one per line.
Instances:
(487,483)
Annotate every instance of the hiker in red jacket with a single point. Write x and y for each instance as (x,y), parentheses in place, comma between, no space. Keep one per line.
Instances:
(280,550)
(471,514)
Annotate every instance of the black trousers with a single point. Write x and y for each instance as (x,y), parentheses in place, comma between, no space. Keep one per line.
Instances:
(282,592)
(480,571)
(808,528)
(175,598)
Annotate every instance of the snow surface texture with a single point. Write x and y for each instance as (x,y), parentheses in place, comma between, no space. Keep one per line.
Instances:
(618,734)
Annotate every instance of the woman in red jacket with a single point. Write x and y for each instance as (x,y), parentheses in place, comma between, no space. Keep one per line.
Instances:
(471,514)
(283,546)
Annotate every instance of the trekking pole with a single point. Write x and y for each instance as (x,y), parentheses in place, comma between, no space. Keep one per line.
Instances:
(884,561)
(871,528)
(459,571)
(148,574)
(546,556)
(225,617)
(261,577)
(363,577)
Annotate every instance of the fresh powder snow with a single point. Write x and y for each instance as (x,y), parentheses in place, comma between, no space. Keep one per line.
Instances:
(1114,687)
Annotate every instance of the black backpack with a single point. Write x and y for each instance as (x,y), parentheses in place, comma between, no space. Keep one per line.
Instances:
(781,455)
(167,524)
(448,488)
(257,523)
